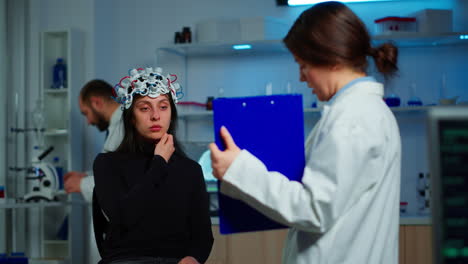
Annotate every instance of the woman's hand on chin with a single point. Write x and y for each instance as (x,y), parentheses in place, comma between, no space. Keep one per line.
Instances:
(165,147)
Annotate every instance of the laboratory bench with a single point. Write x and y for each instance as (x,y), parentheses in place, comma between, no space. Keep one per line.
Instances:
(415,244)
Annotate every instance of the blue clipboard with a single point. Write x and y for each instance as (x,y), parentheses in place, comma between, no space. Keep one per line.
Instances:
(272,129)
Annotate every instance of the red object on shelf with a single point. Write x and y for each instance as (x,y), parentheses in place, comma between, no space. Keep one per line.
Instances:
(403,208)
(395,24)
(192,103)
(399,19)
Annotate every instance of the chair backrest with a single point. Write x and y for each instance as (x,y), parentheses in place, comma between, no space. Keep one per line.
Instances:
(100,224)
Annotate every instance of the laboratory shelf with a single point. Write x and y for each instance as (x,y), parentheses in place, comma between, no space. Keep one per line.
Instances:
(401,39)
(415,220)
(196,114)
(63,91)
(405,109)
(42,204)
(417,39)
(48,261)
(226,48)
(399,110)
(56,132)
(56,242)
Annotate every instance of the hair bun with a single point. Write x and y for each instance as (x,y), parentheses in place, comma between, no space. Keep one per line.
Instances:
(385,57)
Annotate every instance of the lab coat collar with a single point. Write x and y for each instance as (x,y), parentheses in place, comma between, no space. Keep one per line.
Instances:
(367,85)
(115,118)
(351,84)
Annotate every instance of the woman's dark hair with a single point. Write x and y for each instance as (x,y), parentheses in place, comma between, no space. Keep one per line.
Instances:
(133,142)
(330,34)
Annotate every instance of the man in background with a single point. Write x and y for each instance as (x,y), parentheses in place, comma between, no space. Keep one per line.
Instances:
(100,110)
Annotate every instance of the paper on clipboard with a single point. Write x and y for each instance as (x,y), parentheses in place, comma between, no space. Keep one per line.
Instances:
(260,124)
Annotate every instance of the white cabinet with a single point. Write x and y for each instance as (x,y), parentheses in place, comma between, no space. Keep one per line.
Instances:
(34,227)
(62,114)
(64,131)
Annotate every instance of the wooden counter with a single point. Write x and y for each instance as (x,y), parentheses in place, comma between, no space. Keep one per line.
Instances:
(266,247)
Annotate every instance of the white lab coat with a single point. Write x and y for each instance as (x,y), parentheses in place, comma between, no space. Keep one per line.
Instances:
(347,208)
(113,140)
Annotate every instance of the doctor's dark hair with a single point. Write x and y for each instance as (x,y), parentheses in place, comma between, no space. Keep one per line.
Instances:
(98,88)
(133,142)
(330,34)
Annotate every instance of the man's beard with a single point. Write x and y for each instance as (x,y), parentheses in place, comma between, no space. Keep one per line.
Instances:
(101,123)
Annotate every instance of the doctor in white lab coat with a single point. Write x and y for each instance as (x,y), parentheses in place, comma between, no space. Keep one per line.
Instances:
(346,210)
(103,112)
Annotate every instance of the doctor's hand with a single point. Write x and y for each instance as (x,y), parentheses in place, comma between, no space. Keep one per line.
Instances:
(72,181)
(165,147)
(221,160)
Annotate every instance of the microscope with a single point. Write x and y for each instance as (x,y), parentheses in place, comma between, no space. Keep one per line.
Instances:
(46,180)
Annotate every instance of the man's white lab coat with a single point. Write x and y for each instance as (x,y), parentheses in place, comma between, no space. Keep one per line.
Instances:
(347,208)
(113,140)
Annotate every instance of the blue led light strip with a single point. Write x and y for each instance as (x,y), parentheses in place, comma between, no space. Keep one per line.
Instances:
(241,46)
(311,2)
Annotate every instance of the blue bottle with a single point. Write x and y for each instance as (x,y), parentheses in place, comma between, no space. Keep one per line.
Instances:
(392,100)
(59,169)
(17,258)
(60,75)
(414,101)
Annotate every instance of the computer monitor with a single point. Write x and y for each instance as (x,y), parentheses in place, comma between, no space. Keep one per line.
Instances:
(448,145)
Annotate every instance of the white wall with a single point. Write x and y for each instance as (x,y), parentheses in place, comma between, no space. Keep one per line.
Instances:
(128,33)
(460,17)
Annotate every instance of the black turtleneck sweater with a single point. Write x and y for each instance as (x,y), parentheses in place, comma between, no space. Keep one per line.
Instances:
(154,208)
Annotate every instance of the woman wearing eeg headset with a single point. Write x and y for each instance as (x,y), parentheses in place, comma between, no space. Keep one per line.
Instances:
(150,203)
(346,210)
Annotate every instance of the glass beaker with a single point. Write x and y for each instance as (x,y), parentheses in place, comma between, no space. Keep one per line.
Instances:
(413,99)
(38,119)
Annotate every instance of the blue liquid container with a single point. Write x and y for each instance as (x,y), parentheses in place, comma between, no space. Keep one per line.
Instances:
(59,169)
(60,75)
(62,233)
(414,101)
(17,258)
(392,100)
